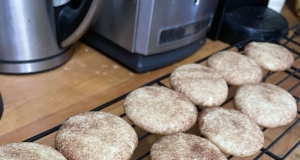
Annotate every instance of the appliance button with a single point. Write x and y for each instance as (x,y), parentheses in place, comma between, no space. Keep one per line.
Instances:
(164,36)
(172,35)
(181,33)
(176,34)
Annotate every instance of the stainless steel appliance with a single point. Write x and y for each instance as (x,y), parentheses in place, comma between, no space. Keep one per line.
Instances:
(36,35)
(148,34)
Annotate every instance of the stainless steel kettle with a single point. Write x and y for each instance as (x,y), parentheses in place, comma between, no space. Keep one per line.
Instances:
(37,35)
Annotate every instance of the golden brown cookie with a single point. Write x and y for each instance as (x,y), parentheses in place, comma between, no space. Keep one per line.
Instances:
(96,135)
(186,147)
(270,56)
(160,110)
(235,68)
(29,151)
(268,105)
(231,131)
(200,84)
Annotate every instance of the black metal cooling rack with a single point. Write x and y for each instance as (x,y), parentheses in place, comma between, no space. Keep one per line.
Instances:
(294,72)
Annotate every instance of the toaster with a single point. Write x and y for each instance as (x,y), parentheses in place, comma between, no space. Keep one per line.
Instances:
(144,35)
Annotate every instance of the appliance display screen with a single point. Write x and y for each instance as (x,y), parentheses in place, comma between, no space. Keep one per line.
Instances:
(189,30)
(178,33)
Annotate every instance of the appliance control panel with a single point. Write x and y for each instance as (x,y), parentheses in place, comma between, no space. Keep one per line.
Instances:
(178,33)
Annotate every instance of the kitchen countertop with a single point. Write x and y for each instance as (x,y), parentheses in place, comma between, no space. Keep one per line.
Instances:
(37,102)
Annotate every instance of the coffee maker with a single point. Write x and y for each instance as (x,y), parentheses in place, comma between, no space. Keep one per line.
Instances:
(144,35)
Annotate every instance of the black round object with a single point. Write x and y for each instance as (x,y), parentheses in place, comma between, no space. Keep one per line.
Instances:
(257,23)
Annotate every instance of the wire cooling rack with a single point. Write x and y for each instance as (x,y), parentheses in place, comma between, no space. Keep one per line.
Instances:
(290,78)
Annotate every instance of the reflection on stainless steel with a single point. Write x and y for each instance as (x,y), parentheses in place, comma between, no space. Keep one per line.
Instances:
(36,66)
(120,25)
(27,30)
(56,3)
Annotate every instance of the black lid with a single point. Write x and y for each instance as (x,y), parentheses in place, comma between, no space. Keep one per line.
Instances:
(258,23)
(262,19)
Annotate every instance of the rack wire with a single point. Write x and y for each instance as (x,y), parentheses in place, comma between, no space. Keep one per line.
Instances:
(291,41)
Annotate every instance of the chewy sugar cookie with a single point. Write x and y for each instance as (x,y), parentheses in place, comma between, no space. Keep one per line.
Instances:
(235,68)
(200,84)
(268,105)
(29,151)
(185,146)
(270,56)
(231,131)
(96,135)
(160,110)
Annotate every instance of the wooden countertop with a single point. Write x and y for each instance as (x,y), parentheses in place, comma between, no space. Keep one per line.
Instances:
(37,102)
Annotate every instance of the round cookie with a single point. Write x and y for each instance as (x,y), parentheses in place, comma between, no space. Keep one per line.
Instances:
(231,131)
(96,135)
(268,105)
(185,146)
(160,110)
(200,84)
(235,68)
(29,151)
(270,56)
